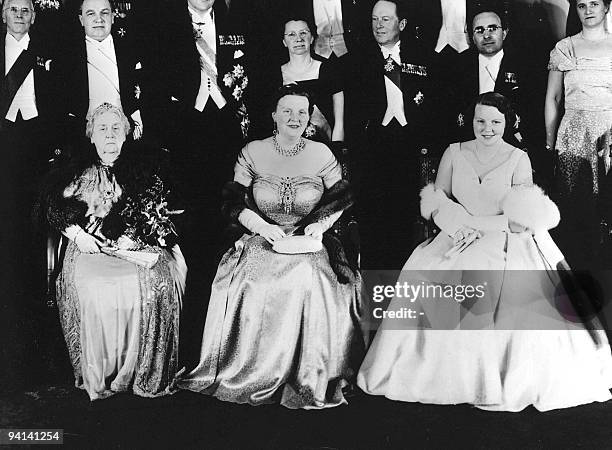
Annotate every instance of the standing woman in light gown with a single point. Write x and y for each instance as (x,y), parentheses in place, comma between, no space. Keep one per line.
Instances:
(578,115)
(283,319)
(120,319)
(519,343)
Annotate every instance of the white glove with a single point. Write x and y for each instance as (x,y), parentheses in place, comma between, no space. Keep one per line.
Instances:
(251,221)
(84,241)
(138,126)
(315,230)
(451,217)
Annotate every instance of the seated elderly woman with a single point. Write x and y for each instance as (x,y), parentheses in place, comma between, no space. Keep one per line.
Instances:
(121,282)
(283,317)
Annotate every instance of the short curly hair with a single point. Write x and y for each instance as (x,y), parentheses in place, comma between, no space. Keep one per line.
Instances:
(103,108)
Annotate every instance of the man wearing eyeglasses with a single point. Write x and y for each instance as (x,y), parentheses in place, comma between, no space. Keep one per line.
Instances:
(26,112)
(493,66)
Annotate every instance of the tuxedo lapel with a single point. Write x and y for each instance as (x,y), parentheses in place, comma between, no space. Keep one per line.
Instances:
(472,74)
(80,78)
(125,71)
(2,55)
(500,81)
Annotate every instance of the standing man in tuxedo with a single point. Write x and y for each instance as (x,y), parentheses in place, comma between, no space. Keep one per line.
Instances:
(494,66)
(204,87)
(26,139)
(396,102)
(96,67)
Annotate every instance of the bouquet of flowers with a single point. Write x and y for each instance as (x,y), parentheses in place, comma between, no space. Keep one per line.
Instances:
(148,218)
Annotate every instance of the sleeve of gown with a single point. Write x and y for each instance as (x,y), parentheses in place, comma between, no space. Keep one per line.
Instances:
(331,171)
(244,169)
(331,77)
(560,56)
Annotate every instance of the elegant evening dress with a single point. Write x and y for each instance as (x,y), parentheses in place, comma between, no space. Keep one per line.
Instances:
(583,145)
(120,320)
(322,82)
(516,347)
(280,328)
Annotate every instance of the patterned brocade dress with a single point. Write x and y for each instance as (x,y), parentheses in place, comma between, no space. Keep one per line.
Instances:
(583,144)
(280,328)
(120,320)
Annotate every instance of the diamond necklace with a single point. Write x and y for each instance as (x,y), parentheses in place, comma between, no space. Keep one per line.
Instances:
(292,151)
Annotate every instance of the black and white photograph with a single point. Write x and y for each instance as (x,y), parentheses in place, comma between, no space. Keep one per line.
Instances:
(306,224)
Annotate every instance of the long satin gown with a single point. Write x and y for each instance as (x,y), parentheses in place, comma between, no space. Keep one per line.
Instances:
(120,320)
(280,328)
(584,134)
(515,347)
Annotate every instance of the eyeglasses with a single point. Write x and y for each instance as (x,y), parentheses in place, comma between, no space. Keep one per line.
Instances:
(490,28)
(16,11)
(302,34)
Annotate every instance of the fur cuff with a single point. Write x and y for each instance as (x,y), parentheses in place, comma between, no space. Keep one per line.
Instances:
(431,199)
(531,208)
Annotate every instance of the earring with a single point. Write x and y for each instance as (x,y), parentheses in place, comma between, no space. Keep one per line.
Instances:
(275,131)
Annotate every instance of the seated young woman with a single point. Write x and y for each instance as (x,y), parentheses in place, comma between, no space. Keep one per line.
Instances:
(283,318)
(123,274)
(517,341)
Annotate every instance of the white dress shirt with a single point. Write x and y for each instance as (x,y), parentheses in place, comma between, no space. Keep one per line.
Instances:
(453,31)
(208,88)
(102,72)
(395,97)
(488,69)
(25,98)
(330,32)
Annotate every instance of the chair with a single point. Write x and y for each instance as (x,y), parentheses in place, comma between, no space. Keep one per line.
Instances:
(428,170)
(347,228)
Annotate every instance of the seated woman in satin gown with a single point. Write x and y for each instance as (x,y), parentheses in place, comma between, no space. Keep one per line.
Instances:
(120,319)
(515,340)
(283,318)
(320,78)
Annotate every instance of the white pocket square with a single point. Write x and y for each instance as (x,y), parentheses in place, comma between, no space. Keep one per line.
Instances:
(71,115)
(138,66)
(174,99)
(48,65)
(238,54)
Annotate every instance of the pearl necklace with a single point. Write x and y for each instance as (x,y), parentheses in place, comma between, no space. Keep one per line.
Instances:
(297,148)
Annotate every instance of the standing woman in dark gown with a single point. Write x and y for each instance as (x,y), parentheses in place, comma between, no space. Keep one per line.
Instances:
(319,78)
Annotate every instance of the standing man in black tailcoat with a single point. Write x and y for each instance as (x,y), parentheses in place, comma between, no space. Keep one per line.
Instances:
(397,96)
(494,65)
(204,86)
(27,130)
(26,140)
(95,67)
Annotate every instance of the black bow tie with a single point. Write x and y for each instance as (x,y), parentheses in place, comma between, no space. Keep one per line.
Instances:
(199,23)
